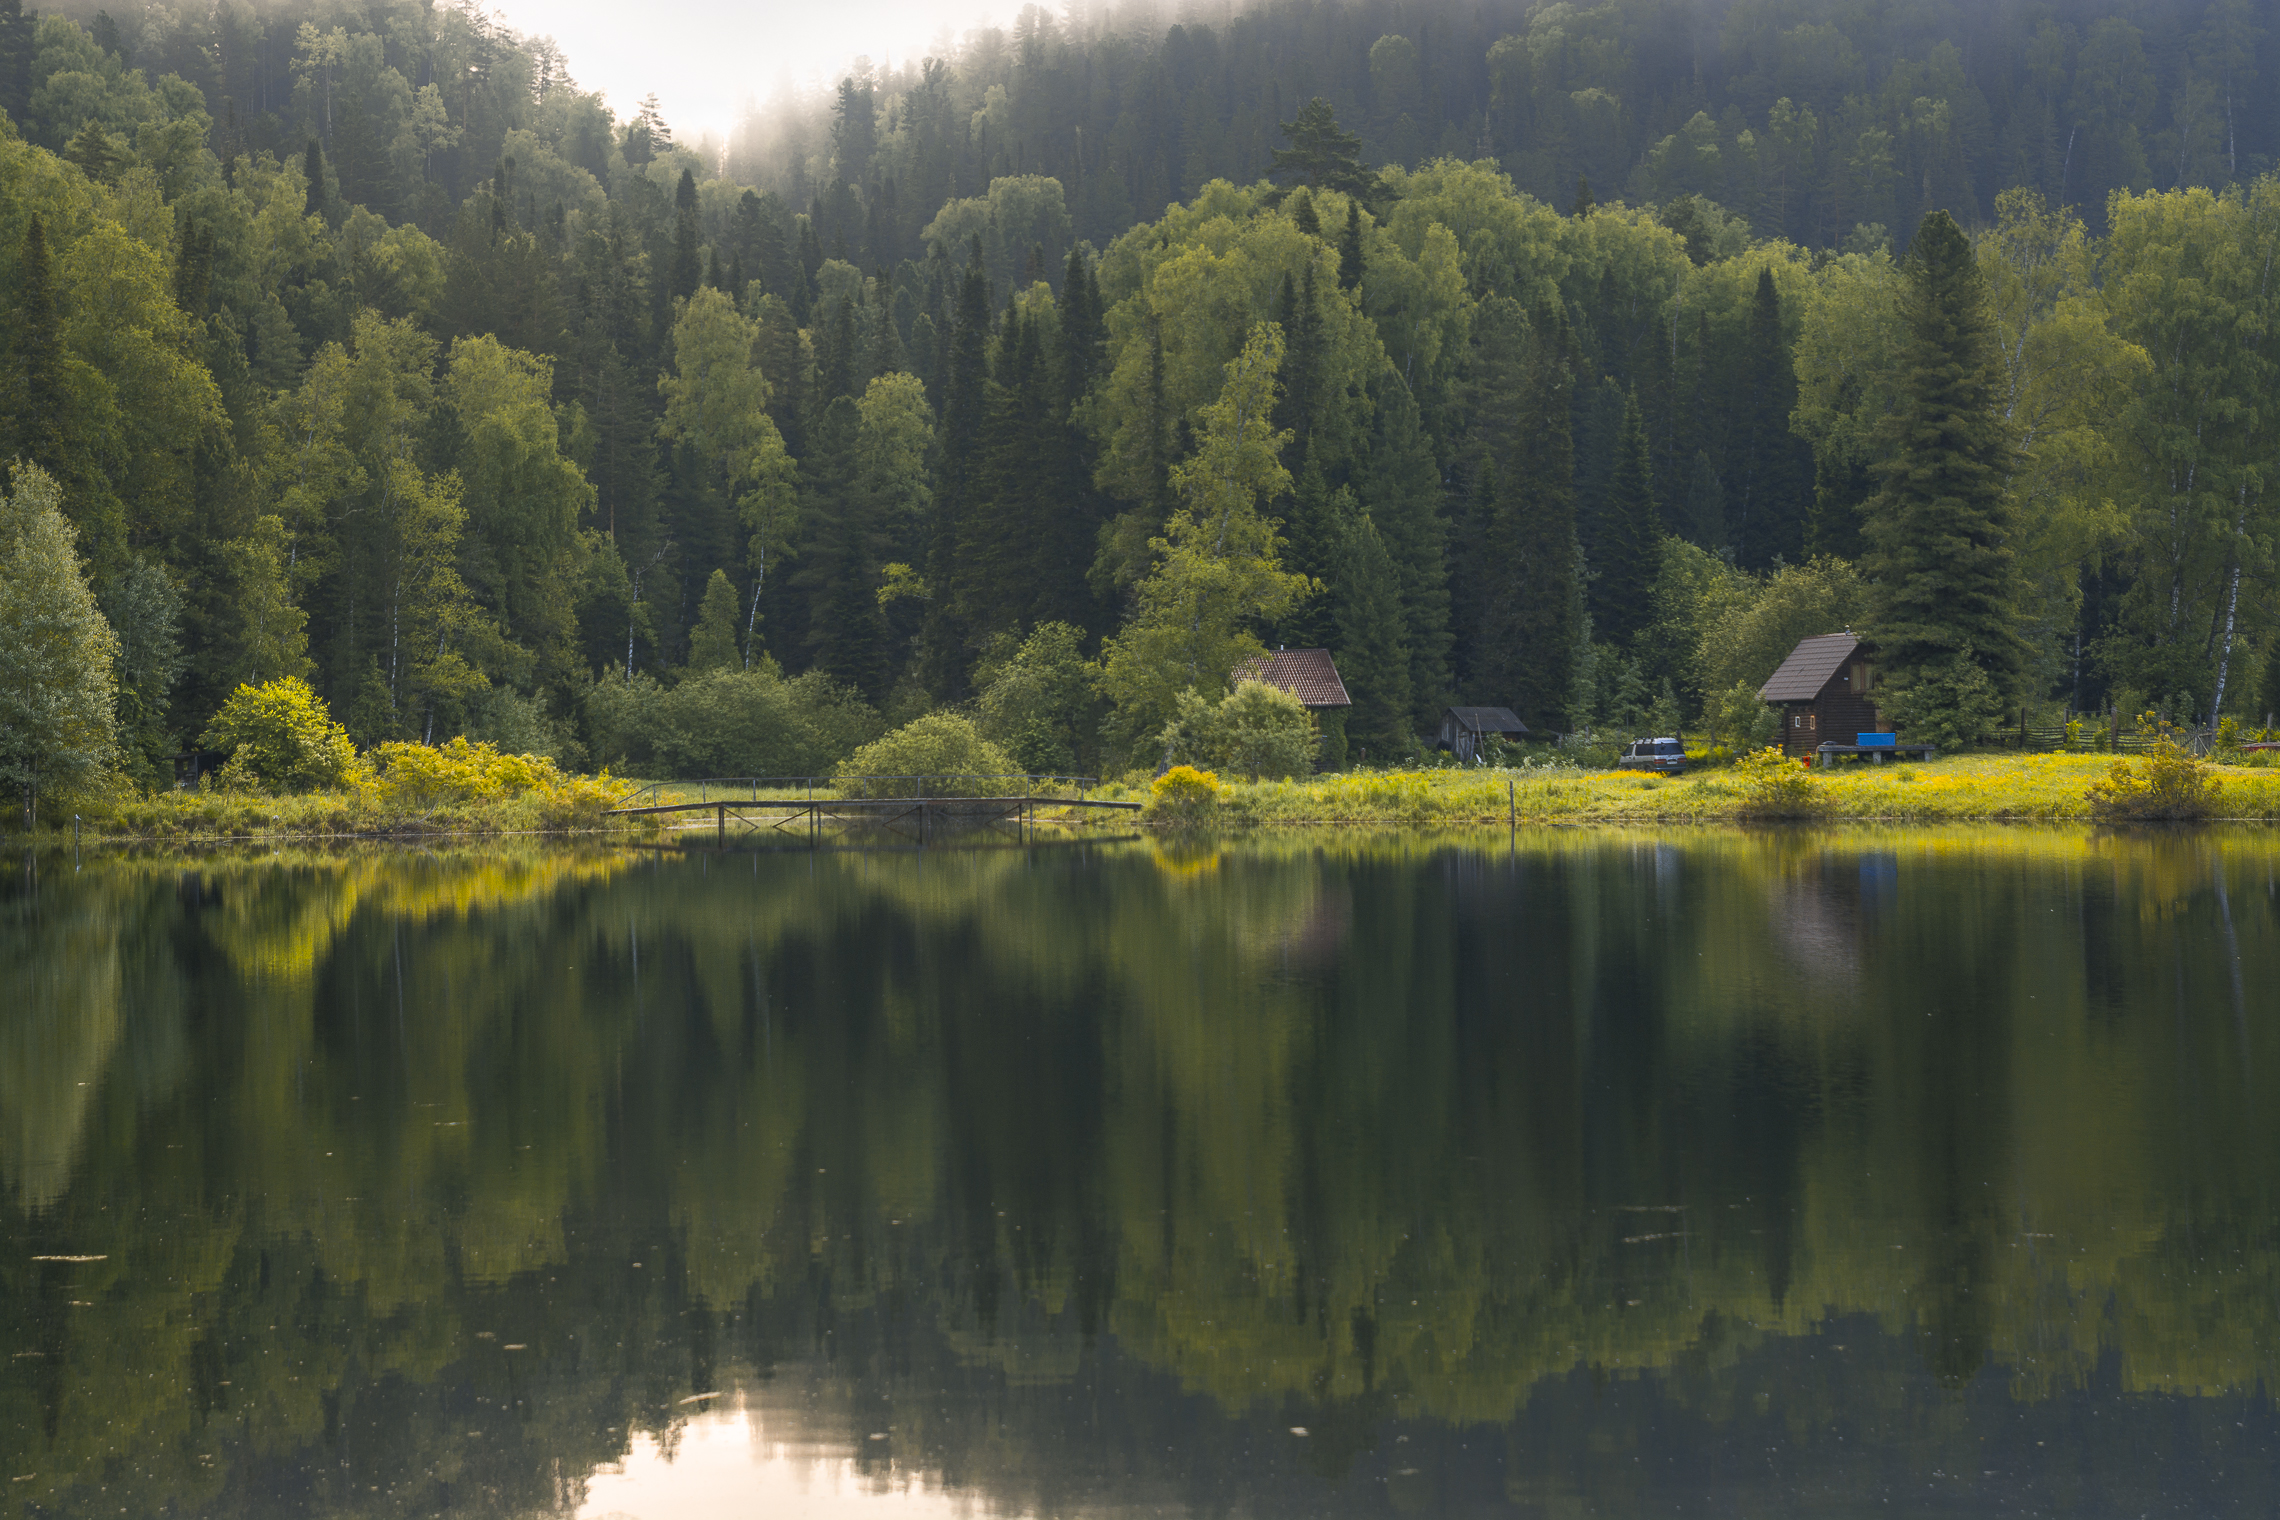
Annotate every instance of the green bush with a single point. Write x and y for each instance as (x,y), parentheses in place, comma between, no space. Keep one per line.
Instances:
(727,723)
(281,737)
(1775,786)
(945,751)
(2163,784)
(1950,705)
(1257,731)
(1038,700)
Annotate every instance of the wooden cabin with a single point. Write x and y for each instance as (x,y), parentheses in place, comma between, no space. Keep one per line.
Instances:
(1307,674)
(1463,728)
(1825,693)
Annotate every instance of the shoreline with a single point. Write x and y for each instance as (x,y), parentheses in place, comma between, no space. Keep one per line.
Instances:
(2001,789)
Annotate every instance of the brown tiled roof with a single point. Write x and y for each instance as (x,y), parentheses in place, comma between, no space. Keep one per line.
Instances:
(1306,674)
(1808,668)
(1489,720)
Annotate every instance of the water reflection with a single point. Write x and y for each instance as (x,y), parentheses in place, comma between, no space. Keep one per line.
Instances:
(1296,1174)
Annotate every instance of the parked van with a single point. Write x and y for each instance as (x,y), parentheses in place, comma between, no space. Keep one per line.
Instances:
(1665,755)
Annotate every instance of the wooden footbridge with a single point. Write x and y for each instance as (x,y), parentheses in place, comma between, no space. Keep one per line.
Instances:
(813,803)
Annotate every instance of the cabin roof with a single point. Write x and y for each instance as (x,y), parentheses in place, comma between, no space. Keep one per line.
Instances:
(1307,674)
(1808,668)
(1487,720)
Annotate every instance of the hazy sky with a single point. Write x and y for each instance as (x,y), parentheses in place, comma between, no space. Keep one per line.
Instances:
(704,57)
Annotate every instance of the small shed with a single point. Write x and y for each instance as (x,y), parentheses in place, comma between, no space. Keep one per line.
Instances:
(1462,728)
(1825,693)
(1307,674)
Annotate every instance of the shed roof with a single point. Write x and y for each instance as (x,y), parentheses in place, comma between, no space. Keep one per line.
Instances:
(1809,667)
(1306,674)
(1488,720)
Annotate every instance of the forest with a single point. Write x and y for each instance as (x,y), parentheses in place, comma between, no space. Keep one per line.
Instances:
(1575,359)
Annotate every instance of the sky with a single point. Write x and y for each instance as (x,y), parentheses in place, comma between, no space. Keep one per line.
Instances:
(704,58)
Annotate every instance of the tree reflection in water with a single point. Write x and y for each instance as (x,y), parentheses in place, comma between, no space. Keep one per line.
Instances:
(1572,1172)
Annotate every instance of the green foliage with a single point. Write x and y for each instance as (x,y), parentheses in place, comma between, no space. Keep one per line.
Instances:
(2164,784)
(1746,634)
(1630,537)
(281,738)
(1737,718)
(57,718)
(712,643)
(1775,786)
(942,753)
(1256,731)
(1940,562)
(1037,699)
(224,327)
(1952,704)
(1218,575)
(727,723)
(144,609)
(1372,646)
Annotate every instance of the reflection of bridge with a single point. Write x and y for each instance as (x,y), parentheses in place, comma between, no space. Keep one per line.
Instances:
(815,802)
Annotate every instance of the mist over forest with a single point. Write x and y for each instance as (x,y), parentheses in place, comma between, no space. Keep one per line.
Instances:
(1576,359)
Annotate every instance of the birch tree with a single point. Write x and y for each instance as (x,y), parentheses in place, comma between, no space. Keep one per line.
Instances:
(58,716)
(1216,576)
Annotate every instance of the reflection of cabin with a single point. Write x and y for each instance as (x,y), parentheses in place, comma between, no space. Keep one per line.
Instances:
(1823,691)
(1462,728)
(1306,674)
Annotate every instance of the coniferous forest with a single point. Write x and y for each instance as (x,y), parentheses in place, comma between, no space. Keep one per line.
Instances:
(1571,358)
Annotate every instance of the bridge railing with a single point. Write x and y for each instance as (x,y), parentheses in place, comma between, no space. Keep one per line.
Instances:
(809,789)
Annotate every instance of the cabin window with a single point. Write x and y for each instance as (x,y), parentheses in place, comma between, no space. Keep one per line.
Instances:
(1860,678)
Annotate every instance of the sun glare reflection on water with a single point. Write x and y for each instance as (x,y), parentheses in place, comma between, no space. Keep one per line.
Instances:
(726,1465)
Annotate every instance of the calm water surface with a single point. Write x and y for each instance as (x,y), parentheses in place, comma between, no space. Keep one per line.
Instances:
(1566,1174)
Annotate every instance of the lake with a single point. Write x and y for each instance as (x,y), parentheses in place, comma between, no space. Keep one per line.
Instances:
(1560,1174)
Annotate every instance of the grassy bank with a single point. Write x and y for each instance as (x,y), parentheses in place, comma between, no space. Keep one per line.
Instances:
(1963,789)
(345,813)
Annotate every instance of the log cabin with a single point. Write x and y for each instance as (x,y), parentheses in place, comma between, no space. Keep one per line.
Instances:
(1825,692)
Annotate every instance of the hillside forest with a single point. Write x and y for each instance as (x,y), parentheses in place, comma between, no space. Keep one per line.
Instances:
(1576,359)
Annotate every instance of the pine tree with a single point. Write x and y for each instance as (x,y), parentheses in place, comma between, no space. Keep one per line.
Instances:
(313,170)
(845,637)
(965,402)
(1216,577)
(1313,546)
(836,359)
(17,49)
(1321,155)
(1771,482)
(1528,627)
(688,269)
(784,358)
(33,415)
(1300,313)
(1010,505)
(1350,248)
(1583,201)
(713,642)
(771,261)
(1371,646)
(57,717)
(1303,214)
(1939,562)
(1400,483)
(1630,538)
(1705,516)
(810,259)
(1069,536)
